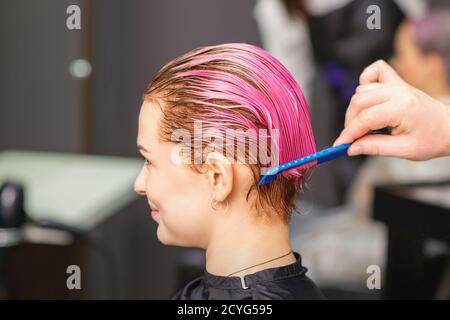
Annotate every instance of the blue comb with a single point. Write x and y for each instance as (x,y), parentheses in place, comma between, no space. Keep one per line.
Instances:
(321,157)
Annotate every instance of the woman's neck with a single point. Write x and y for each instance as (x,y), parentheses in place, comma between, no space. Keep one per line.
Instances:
(240,242)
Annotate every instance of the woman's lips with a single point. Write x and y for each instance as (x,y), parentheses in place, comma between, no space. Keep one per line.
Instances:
(153,210)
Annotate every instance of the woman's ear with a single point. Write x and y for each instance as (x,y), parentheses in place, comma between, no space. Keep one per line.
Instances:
(220,175)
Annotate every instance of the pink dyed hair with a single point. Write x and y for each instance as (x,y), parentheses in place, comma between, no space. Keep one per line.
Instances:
(239,86)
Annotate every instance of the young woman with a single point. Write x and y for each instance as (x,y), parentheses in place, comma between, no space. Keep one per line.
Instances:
(211,122)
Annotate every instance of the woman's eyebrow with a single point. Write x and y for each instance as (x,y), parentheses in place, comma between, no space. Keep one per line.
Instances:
(141,147)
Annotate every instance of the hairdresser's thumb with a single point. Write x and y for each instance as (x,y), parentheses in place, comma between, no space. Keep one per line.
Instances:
(376,145)
(379,71)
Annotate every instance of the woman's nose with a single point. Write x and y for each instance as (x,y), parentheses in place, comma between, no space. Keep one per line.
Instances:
(139,183)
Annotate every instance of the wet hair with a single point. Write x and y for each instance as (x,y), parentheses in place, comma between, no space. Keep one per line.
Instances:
(242,87)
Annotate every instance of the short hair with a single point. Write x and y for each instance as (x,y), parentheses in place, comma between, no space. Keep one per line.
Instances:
(240,86)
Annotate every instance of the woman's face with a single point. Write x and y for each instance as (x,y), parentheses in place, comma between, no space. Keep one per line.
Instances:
(179,197)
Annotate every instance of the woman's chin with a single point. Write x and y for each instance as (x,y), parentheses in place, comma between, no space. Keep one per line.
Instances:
(167,240)
(163,237)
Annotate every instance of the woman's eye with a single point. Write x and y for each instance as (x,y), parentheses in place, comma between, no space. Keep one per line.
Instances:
(146,161)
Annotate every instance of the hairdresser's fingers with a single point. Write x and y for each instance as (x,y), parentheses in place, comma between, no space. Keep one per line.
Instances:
(382,145)
(369,87)
(374,118)
(364,100)
(379,71)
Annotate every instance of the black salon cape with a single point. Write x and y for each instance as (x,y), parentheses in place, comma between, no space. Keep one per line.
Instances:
(286,282)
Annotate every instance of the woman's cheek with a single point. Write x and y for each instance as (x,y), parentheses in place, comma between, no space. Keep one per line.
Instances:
(183,225)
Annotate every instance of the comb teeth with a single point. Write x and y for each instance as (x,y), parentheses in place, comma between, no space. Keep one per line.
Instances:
(271,176)
(267,178)
(306,162)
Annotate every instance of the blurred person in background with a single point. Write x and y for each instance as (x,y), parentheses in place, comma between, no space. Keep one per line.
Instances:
(353,240)
(326,45)
(422,58)
(422,53)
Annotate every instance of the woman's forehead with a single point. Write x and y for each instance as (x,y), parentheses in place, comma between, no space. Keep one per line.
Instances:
(148,124)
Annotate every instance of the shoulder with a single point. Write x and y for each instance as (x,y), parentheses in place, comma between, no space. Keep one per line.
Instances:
(286,282)
(290,288)
(193,290)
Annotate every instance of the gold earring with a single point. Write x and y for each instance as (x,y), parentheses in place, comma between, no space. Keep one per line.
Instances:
(216,205)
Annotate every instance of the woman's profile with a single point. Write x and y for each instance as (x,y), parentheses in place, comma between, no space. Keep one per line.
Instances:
(211,122)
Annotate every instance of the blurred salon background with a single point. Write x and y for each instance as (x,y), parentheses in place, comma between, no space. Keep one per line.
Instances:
(69,103)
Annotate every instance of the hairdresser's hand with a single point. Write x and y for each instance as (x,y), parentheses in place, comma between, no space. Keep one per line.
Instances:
(420,124)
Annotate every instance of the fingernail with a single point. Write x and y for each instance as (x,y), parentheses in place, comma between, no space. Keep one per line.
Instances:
(355,150)
(335,142)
